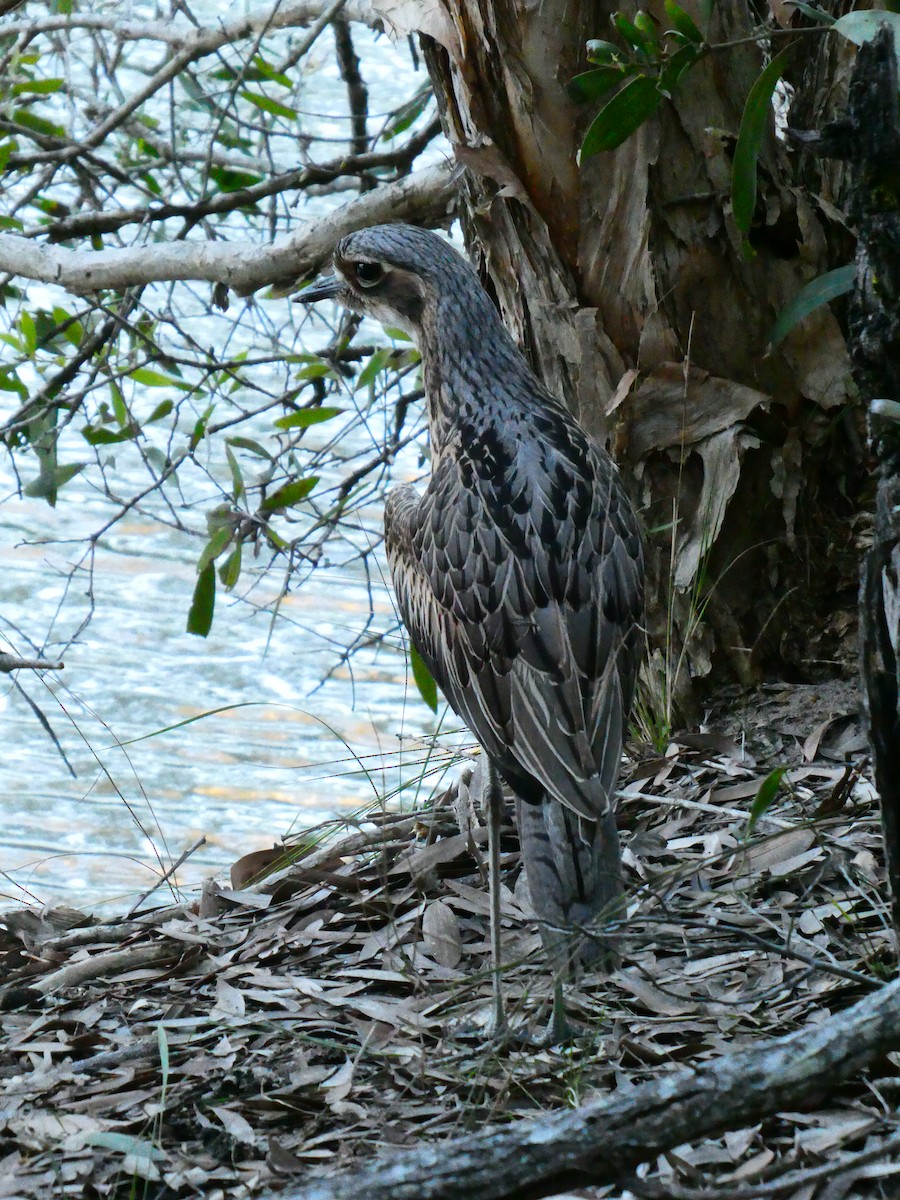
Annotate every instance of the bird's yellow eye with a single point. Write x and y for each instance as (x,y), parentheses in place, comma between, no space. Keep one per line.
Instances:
(368,274)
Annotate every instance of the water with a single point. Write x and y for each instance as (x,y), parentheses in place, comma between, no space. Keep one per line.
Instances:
(274,750)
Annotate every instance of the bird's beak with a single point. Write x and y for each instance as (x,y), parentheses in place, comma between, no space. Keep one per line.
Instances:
(326,288)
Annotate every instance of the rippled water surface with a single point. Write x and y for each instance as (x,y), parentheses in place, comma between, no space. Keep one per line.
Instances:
(285,754)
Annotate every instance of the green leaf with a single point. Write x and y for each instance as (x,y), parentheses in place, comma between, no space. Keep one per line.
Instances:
(38,87)
(249,444)
(290,493)
(150,378)
(645,25)
(375,364)
(268,72)
(594,84)
(50,480)
(214,547)
(817,292)
(229,180)
(203,603)
(682,23)
(602,52)
(621,116)
(765,797)
(120,408)
(675,66)
(198,433)
(406,115)
(813,13)
(162,410)
(97,435)
(423,680)
(73,330)
(157,458)
(29,332)
(860,27)
(754,122)
(640,39)
(9,382)
(237,478)
(230,571)
(267,104)
(29,120)
(307,417)
(316,370)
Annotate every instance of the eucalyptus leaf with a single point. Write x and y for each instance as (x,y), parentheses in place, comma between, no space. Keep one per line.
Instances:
(307,416)
(765,796)
(631,106)
(290,493)
(591,85)
(817,292)
(147,377)
(809,10)
(754,122)
(203,603)
(682,22)
(861,27)
(423,679)
(123,1143)
(267,104)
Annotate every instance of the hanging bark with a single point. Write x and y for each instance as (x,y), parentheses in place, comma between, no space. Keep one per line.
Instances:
(625,281)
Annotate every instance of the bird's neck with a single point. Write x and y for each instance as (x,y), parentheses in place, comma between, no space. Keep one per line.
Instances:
(473,371)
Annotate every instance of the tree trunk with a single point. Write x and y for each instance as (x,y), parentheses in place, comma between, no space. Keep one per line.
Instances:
(625,282)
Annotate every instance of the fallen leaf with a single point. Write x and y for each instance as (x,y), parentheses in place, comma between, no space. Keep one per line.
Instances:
(440,932)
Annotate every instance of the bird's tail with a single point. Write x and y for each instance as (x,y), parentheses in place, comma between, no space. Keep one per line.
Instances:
(574,873)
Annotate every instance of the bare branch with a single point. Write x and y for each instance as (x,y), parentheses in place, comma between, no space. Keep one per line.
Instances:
(88,224)
(426,197)
(276,16)
(9,662)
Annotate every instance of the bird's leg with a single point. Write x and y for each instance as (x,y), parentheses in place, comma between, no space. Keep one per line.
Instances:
(492,799)
(560,1031)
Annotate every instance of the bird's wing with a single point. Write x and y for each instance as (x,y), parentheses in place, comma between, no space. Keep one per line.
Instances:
(521,589)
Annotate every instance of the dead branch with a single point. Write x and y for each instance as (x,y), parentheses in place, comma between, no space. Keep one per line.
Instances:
(276,16)
(605,1139)
(10,662)
(426,197)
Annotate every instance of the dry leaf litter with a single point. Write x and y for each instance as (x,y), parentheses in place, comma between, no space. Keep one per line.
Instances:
(276,1031)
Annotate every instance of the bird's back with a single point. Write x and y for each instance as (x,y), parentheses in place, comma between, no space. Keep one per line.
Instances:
(518,573)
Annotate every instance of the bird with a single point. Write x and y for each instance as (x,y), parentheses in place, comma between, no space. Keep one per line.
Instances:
(519,575)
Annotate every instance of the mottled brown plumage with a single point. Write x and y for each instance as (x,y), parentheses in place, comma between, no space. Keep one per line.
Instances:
(518,570)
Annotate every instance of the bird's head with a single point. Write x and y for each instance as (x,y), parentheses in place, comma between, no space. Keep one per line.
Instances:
(400,275)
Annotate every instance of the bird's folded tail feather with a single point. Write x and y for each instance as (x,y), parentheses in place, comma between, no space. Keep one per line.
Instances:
(574,873)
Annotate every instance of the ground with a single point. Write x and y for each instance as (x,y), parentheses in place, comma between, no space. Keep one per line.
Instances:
(271,1033)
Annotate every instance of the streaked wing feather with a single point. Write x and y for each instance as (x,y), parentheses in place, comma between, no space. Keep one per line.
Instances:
(537,650)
